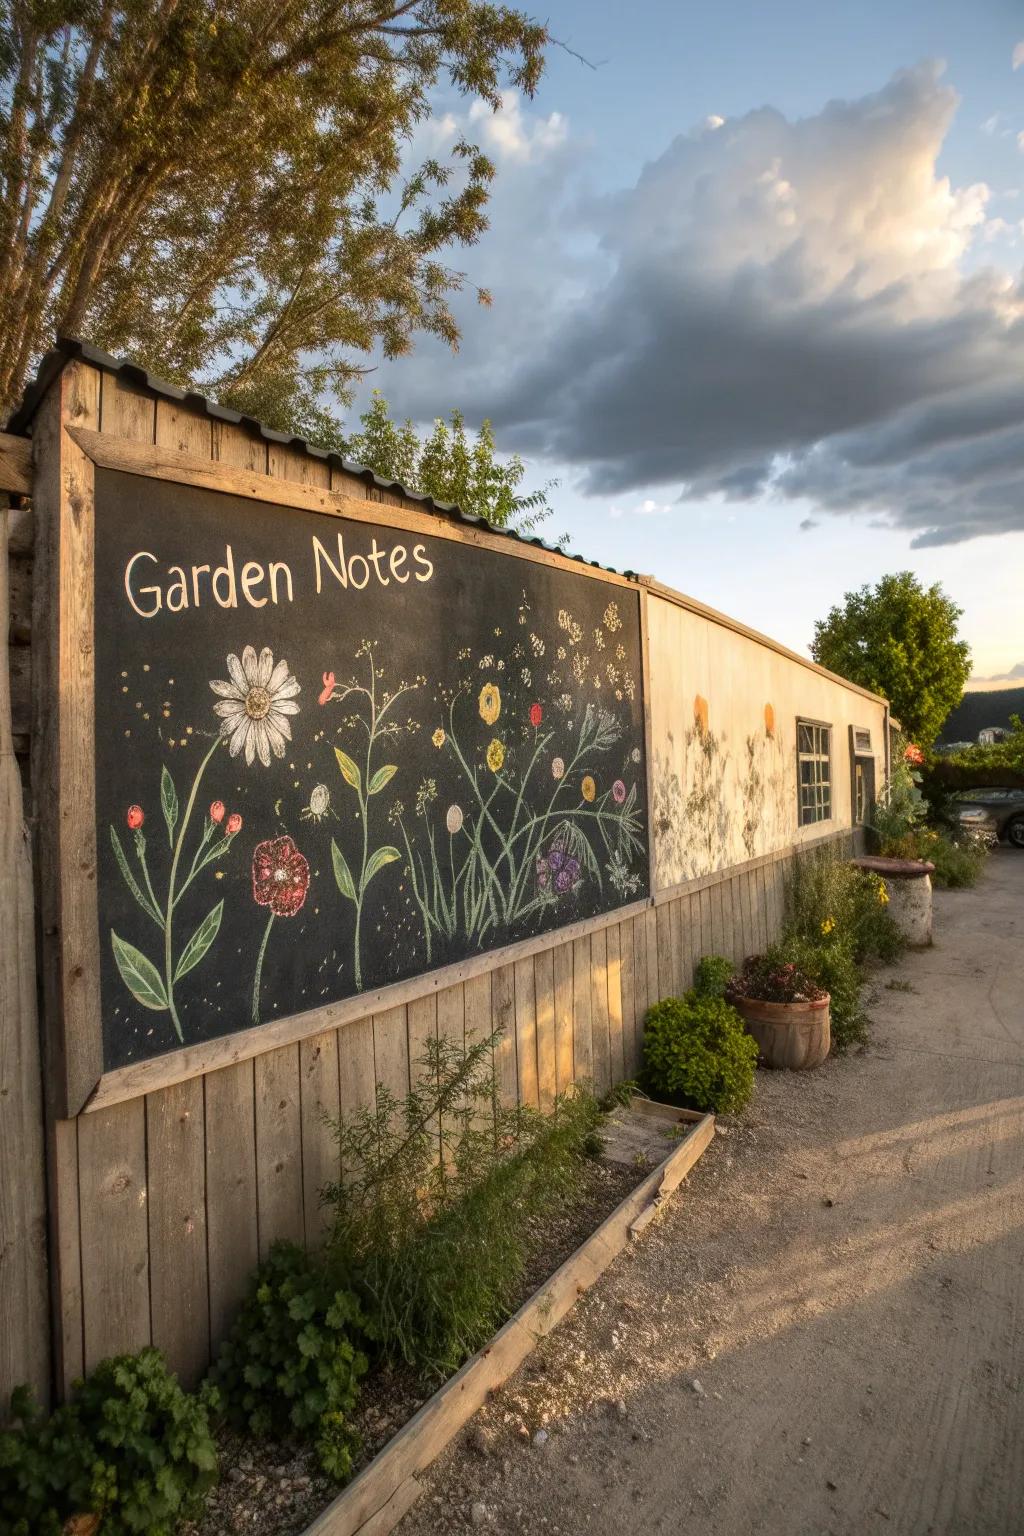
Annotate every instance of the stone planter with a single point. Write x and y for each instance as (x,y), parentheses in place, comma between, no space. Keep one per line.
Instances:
(793,1035)
(909,885)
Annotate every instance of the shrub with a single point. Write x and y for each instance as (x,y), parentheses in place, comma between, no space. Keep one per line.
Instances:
(712,976)
(697,1052)
(291,1365)
(129,1446)
(831,965)
(958,861)
(431,1221)
(828,894)
(775,977)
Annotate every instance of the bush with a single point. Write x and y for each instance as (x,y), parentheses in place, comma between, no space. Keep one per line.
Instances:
(958,861)
(291,1365)
(128,1446)
(432,1219)
(712,976)
(829,895)
(831,964)
(697,1052)
(775,977)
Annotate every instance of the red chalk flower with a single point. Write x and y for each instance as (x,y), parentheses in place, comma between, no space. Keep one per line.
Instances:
(536,715)
(135,817)
(217,811)
(234,824)
(618,791)
(327,689)
(280,876)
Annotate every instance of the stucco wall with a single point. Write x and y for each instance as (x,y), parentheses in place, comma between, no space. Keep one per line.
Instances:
(725,773)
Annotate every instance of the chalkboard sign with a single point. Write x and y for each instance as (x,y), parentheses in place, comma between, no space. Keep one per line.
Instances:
(332,754)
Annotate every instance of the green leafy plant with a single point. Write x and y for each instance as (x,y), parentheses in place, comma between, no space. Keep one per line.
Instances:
(830,965)
(958,860)
(828,895)
(697,1052)
(292,1361)
(775,977)
(431,1218)
(129,1446)
(712,976)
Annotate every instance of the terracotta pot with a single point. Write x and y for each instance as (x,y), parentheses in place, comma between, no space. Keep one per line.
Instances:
(794,1035)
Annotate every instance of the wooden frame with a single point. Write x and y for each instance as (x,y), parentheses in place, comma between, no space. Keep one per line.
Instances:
(385,1490)
(66,596)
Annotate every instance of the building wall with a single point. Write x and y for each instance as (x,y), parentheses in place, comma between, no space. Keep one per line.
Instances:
(160,1206)
(724,772)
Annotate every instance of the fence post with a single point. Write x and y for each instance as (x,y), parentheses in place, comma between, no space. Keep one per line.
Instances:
(24,1290)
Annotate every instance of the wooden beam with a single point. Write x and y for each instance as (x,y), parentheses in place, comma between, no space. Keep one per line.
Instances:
(15,464)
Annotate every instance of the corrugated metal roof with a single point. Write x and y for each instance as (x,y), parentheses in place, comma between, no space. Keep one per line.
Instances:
(67,349)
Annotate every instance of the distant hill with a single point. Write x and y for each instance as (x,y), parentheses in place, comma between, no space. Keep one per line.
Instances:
(977,710)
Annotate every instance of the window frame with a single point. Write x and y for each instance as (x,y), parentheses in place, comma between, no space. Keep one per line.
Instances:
(823,788)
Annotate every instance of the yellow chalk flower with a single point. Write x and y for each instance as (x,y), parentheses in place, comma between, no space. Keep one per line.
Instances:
(490,703)
(438,737)
(588,788)
(495,756)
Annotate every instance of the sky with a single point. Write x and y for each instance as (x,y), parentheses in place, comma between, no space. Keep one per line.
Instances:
(758,300)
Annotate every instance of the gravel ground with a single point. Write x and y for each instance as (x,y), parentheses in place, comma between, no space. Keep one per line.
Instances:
(820,1333)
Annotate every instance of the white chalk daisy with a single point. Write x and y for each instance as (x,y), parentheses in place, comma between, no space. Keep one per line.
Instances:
(254,706)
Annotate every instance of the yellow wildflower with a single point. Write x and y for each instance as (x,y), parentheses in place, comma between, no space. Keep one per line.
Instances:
(495,755)
(588,788)
(883,896)
(490,703)
(828,925)
(438,737)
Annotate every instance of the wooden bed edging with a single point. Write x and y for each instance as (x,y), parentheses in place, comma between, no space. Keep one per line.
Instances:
(374,1503)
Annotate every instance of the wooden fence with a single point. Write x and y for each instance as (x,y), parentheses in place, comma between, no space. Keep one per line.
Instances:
(161,1204)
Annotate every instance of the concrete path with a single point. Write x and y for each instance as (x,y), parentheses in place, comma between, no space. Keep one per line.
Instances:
(824,1333)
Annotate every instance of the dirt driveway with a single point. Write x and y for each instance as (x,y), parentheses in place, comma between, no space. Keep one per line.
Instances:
(824,1332)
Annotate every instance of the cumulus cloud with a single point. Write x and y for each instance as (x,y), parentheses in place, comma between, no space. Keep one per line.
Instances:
(798,308)
(786,309)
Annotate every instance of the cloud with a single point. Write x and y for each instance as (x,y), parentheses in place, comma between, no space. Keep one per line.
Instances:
(808,523)
(786,310)
(1014,675)
(646,508)
(795,308)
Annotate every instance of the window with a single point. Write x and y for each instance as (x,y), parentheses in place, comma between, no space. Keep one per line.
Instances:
(814,771)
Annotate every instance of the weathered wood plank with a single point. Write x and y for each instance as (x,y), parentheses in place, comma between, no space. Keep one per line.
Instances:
(320,1102)
(642,985)
(115,1239)
(526,1033)
(178,1274)
(654,990)
(451,1026)
(232,1219)
(666,969)
(630,1057)
(599,1012)
(278,1148)
(564,1075)
(15,464)
(582,1013)
(188,431)
(503,1017)
(616,1043)
(544,990)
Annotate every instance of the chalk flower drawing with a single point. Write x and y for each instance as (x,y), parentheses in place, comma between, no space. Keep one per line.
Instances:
(280,881)
(588,789)
(319,807)
(490,702)
(495,756)
(372,713)
(254,706)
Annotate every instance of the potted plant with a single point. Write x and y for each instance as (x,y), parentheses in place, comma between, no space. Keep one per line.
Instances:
(785,1011)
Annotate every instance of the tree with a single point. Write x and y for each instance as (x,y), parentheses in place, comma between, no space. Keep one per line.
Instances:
(448,467)
(218,187)
(899,639)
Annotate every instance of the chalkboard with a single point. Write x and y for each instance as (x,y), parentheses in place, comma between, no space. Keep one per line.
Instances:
(332,754)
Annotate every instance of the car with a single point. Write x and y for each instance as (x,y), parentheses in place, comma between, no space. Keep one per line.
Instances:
(992,814)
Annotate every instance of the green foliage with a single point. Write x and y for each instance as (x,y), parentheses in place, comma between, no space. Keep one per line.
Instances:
(431,1220)
(291,1365)
(697,1052)
(901,809)
(830,963)
(129,1446)
(899,639)
(220,190)
(712,976)
(1002,763)
(829,896)
(448,467)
